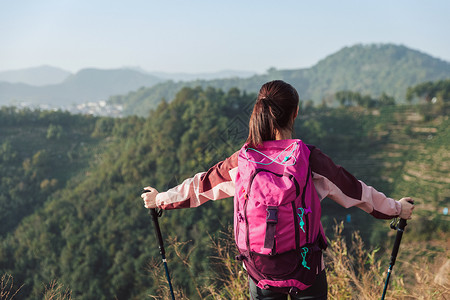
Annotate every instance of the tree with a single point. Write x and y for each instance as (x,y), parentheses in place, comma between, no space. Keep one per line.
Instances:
(386,100)
(348,98)
(54,132)
(429,90)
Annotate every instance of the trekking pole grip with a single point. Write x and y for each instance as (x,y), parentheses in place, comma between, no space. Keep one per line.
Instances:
(154,214)
(400,229)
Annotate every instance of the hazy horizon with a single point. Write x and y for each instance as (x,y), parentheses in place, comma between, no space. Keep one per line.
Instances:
(207,37)
(138,68)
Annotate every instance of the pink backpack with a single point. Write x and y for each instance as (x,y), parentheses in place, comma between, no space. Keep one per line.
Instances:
(277,216)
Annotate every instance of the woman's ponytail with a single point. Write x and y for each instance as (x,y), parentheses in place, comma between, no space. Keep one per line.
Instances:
(273,112)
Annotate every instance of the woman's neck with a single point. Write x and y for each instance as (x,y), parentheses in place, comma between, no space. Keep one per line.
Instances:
(283,135)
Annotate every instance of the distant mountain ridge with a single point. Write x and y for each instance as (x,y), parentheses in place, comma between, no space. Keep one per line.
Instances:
(205,76)
(368,69)
(37,76)
(56,87)
(84,86)
(373,69)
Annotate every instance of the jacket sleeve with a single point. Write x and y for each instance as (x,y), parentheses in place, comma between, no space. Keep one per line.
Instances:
(336,183)
(217,183)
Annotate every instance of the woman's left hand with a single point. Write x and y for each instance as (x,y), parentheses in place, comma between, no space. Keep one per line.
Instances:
(149,197)
(407,208)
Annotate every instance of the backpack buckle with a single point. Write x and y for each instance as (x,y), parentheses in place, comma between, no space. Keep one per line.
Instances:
(272,215)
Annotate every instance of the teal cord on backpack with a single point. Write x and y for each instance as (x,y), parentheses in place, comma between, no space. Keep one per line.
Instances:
(275,160)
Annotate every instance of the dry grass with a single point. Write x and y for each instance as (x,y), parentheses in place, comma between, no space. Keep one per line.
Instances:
(233,278)
(56,291)
(7,290)
(354,273)
(422,271)
(163,292)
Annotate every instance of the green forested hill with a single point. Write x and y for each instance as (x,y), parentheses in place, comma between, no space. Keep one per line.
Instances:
(367,69)
(93,235)
(39,153)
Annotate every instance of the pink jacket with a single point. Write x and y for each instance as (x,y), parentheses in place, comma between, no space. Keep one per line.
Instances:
(330,180)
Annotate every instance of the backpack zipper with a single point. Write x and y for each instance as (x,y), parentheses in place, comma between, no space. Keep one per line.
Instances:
(239,216)
(304,205)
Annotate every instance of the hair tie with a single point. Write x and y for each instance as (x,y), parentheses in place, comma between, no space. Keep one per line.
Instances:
(265,99)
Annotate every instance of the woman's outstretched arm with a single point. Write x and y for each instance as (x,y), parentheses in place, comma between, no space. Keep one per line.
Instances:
(338,184)
(217,183)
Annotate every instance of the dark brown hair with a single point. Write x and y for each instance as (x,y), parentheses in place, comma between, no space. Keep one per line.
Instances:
(274,109)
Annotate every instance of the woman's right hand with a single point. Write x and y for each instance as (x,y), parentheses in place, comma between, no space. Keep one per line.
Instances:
(407,208)
(149,197)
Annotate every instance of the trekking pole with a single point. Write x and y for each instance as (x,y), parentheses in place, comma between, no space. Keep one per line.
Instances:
(155,215)
(400,229)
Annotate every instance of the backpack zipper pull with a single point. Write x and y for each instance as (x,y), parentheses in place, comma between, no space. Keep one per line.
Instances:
(301,223)
(305,250)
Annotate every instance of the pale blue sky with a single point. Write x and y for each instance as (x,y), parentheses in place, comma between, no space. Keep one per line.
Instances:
(205,36)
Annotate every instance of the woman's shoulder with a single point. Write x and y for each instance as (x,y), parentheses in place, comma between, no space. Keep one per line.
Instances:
(318,160)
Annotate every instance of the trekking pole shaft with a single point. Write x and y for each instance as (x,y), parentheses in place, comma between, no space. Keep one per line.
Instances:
(168,280)
(398,239)
(386,283)
(162,251)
